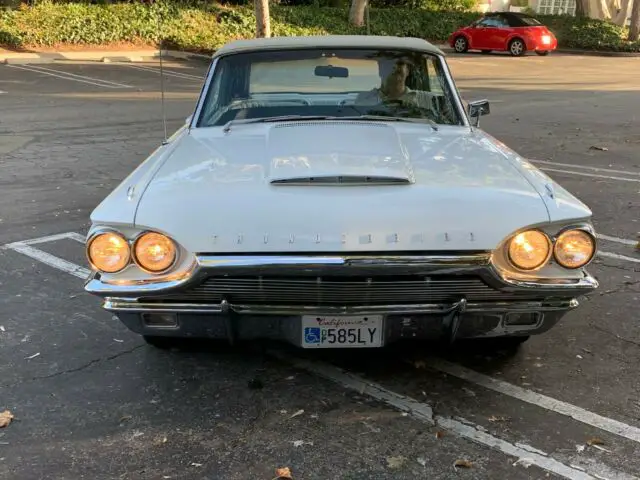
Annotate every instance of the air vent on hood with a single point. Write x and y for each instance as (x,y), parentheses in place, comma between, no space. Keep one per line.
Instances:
(330,123)
(342,180)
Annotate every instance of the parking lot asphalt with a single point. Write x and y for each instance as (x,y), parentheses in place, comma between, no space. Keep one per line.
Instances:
(91,400)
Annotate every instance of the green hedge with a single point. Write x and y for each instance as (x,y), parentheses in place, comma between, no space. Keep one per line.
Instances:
(204,27)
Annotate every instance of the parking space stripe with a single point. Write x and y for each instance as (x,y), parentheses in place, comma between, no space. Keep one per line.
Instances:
(585,416)
(584,174)
(624,241)
(170,73)
(420,411)
(77,237)
(586,167)
(619,257)
(48,238)
(70,76)
(48,259)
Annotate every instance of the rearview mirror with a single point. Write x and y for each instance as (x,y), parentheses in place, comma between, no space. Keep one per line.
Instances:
(478,109)
(331,71)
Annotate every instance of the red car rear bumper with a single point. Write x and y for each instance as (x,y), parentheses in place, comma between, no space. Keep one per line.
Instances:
(543,44)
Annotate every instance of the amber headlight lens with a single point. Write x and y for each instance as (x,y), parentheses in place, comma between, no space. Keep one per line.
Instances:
(154,252)
(109,252)
(574,248)
(529,250)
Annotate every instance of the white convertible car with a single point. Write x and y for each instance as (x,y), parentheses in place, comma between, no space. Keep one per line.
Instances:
(334,191)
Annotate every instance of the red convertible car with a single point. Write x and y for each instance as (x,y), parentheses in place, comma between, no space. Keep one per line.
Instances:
(513,32)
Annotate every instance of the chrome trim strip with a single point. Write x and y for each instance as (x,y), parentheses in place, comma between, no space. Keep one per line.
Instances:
(132,306)
(204,265)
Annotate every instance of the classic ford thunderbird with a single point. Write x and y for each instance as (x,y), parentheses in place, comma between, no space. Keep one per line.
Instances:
(336,191)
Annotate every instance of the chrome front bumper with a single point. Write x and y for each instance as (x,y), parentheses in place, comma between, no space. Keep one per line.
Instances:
(471,314)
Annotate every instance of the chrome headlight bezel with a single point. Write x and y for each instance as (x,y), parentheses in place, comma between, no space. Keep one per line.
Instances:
(589,231)
(137,262)
(99,233)
(546,258)
(132,261)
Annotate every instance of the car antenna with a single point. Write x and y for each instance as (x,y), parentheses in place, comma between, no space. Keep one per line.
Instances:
(164,117)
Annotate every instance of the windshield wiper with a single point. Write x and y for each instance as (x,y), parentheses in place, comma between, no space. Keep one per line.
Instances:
(286,118)
(385,118)
(281,118)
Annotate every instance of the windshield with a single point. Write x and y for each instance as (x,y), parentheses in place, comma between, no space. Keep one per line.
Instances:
(335,82)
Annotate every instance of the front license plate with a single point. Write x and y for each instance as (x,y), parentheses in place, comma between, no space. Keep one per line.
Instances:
(341,331)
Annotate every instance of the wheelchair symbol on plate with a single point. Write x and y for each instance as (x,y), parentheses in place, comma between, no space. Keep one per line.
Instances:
(312,335)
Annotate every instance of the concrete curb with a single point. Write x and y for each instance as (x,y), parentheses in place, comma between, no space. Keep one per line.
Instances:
(104,56)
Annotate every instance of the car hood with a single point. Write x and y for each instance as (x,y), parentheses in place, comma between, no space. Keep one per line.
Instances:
(339,186)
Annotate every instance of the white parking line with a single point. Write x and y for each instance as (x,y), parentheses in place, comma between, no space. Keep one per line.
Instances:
(624,241)
(584,174)
(70,76)
(170,73)
(542,401)
(48,259)
(619,257)
(461,427)
(586,167)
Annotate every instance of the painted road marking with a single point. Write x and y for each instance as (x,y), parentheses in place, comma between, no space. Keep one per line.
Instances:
(542,401)
(70,76)
(170,73)
(584,174)
(586,167)
(464,428)
(619,257)
(48,259)
(624,241)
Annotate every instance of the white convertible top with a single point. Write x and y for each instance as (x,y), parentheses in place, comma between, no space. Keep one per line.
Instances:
(328,41)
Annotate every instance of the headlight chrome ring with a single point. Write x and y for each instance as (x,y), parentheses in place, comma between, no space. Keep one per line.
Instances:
(574,248)
(154,252)
(108,251)
(529,250)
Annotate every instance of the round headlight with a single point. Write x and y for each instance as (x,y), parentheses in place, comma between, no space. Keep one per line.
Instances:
(529,250)
(154,252)
(574,248)
(109,252)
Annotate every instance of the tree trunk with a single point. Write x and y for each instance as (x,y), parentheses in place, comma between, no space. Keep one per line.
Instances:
(634,29)
(623,14)
(263,23)
(582,8)
(356,13)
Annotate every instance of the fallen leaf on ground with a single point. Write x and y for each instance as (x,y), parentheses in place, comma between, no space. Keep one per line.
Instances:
(439,434)
(299,412)
(422,461)
(462,464)
(283,472)
(494,418)
(395,462)
(5,418)
(420,364)
(595,441)
(595,147)
(580,448)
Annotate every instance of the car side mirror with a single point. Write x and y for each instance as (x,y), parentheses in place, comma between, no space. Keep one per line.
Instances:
(478,109)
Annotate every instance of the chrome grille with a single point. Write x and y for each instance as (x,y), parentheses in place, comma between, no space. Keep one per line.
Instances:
(338,291)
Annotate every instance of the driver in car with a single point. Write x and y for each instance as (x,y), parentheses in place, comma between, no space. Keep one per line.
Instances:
(394,88)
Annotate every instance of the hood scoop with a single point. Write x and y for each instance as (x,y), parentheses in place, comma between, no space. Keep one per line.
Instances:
(348,180)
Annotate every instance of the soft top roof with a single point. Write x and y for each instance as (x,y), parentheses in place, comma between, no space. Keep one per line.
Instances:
(328,41)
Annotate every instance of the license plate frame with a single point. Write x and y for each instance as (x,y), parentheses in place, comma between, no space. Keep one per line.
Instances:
(342,331)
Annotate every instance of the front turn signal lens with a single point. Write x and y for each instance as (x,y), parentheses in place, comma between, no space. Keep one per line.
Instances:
(574,248)
(109,252)
(154,252)
(529,250)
